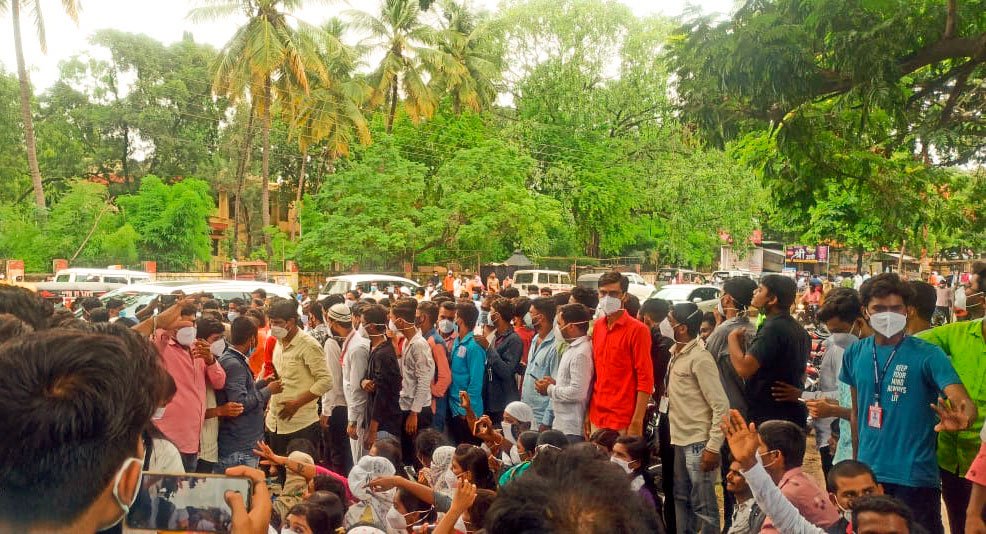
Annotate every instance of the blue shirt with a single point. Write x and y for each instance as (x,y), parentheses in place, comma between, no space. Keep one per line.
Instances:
(902,451)
(468,365)
(542,361)
(241,433)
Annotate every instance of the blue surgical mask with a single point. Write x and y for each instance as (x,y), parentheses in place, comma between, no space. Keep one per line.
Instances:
(475,296)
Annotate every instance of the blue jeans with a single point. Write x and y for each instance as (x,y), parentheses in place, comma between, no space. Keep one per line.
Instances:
(190,461)
(696,508)
(234,459)
(441,412)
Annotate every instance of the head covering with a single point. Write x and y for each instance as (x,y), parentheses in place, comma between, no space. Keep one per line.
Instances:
(372,507)
(340,313)
(741,289)
(294,485)
(443,479)
(521,411)
(405,291)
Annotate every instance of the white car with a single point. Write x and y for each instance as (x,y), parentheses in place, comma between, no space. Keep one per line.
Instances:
(678,293)
(638,286)
(138,295)
(557,281)
(338,285)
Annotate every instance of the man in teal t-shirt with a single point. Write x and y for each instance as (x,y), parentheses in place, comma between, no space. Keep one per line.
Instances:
(895,379)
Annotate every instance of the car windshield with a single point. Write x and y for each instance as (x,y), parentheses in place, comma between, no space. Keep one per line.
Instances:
(336,287)
(524,278)
(674,293)
(591,284)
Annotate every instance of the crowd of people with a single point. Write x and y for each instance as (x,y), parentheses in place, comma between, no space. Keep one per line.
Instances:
(583,411)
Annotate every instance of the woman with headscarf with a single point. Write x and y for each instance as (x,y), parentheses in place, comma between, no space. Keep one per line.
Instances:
(295,485)
(441,477)
(518,418)
(371,507)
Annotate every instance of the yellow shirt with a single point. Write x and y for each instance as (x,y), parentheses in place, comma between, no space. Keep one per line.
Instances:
(301,366)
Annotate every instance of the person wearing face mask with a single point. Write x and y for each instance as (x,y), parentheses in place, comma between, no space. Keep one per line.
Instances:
(209,333)
(334,416)
(468,366)
(502,359)
(417,372)
(238,435)
(964,344)
(382,382)
(355,359)
(191,365)
(426,317)
(73,461)
(695,403)
(446,323)
(895,381)
(299,362)
(632,454)
(621,358)
(542,361)
(568,388)
(524,328)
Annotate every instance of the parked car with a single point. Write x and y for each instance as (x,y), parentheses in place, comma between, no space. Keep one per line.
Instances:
(719,277)
(77,282)
(674,275)
(638,286)
(337,285)
(556,280)
(678,293)
(138,295)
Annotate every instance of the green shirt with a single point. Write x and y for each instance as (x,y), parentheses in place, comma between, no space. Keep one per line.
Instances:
(963,343)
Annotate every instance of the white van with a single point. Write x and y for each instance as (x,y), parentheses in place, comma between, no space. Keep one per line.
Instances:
(556,280)
(338,285)
(102,276)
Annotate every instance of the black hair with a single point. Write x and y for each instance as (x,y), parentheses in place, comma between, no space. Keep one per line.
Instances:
(509,292)
(316,517)
(639,450)
(114,304)
(259,291)
(545,307)
(562,297)
(60,395)
(385,302)
(332,503)
(374,314)
(90,303)
(302,445)
(883,285)
(781,287)
(26,306)
(481,507)
(656,309)
(329,484)
(529,439)
(427,441)
(842,303)
(412,503)
(211,304)
(925,298)
(576,313)
(979,270)
(429,309)
(585,296)
(236,301)
(613,277)
(12,327)
(605,437)
(688,314)
(547,290)
(847,469)
(332,300)
(258,315)
(709,317)
(883,505)
(404,308)
(786,437)
(448,305)
(741,289)
(283,309)
(593,499)
(207,326)
(505,308)
(242,329)
(468,313)
(390,449)
(99,315)
(522,305)
(474,460)
(532,288)
(316,311)
(632,305)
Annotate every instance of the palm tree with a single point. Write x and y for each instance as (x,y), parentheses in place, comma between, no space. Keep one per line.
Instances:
(331,112)
(406,43)
(71,8)
(468,44)
(266,58)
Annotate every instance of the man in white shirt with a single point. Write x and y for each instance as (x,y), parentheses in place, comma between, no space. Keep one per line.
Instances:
(417,371)
(568,390)
(334,409)
(355,359)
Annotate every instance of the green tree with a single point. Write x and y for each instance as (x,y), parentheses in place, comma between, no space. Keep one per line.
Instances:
(72,10)
(468,42)
(172,221)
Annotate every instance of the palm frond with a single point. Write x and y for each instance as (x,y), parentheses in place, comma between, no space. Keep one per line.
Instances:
(39,25)
(71,8)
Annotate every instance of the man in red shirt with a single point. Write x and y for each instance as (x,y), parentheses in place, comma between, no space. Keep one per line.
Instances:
(621,353)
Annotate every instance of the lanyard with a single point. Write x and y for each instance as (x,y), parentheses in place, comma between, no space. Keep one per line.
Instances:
(879,376)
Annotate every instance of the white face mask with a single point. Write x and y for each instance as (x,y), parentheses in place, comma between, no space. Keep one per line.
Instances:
(361,331)
(218,347)
(396,521)
(888,324)
(279,332)
(666,329)
(622,463)
(845,513)
(609,305)
(508,432)
(158,414)
(185,336)
(125,506)
(446,326)
(232,316)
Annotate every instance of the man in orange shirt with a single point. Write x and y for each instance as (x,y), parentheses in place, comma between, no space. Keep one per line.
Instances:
(621,354)
(449,283)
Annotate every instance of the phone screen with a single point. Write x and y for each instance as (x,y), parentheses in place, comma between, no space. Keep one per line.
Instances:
(185,502)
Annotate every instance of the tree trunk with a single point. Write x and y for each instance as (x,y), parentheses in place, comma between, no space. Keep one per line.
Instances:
(25,89)
(859,260)
(297,200)
(126,156)
(245,151)
(265,172)
(393,108)
(900,261)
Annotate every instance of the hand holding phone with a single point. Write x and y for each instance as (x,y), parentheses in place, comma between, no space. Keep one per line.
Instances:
(191,502)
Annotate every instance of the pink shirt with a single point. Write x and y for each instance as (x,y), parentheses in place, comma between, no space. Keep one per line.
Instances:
(808,498)
(319,470)
(977,471)
(183,416)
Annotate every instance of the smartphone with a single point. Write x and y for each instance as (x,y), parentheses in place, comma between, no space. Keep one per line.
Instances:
(411,472)
(195,502)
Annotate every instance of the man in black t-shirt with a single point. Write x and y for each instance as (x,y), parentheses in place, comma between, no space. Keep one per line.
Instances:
(779,353)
